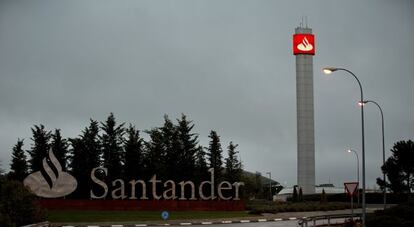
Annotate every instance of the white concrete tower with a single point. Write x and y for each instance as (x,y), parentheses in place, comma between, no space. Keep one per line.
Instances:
(304,49)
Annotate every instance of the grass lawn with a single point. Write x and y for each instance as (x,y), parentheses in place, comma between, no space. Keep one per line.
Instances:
(68,216)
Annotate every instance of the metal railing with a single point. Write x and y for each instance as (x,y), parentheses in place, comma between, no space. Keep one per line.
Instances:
(327,219)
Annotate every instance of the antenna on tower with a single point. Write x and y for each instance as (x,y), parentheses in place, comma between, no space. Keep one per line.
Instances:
(306,21)
(301,23)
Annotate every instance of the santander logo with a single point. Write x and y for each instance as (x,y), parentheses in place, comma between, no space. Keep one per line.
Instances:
(50,181)
(303,44)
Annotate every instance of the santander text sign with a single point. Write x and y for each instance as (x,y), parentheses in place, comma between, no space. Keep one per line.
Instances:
(52,182)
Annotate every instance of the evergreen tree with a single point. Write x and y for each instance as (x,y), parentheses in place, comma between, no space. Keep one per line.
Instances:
(215,155)
(399,168)
(40,147)
(323,196)
(1,171)
(85,155)
(18,207)
(295,195)
(258,190)
(188,148)
(60,148)
(201,172)
(155,153)
(233,165)
(78,166)
(133,154)
(92,145)
(18,166)
(112,139)
(171,146)
(300,196)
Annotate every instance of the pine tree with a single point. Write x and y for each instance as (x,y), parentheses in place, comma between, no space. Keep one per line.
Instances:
(323,196)
(295,195)
(92,145)
(112,139)
(1,171)
(18,166)
(399,168)
(258,185)
(233,165)
(79,167)
(215,155)
(300,196)
(133,154)
(85,155)
(60,148)
(188,147)
(155,154)
(201,172)
(171,146)
(40,147)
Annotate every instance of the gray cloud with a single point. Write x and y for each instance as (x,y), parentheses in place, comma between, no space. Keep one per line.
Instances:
(228,65)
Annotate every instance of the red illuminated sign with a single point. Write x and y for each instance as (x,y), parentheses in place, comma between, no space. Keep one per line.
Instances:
(303,44)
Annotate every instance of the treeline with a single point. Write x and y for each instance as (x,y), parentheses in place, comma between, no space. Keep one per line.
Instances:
(173,152)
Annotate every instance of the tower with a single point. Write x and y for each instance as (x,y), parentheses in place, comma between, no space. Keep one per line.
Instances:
(304,49)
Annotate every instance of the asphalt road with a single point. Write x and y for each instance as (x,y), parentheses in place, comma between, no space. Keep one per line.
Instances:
(283,219)
(261,224)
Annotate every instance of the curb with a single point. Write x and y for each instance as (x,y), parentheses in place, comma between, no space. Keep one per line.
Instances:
(192,223)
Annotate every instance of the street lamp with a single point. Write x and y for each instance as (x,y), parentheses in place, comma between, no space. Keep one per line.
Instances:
(383,145)
(349,151)
(330,70)
(270,185)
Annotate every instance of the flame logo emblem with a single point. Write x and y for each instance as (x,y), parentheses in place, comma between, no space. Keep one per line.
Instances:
(305,45)
(50,181)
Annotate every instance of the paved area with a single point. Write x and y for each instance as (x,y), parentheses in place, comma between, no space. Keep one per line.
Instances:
(263,224)
(280,219)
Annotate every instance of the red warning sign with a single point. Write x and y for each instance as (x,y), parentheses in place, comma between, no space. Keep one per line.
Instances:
(351,187)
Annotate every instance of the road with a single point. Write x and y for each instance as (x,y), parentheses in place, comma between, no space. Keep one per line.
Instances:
(288,219)
(292,223)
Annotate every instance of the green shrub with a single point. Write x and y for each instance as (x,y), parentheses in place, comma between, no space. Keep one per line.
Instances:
(295,195)
(408,224)
(383,221)
(400,215)
(323,197)
(5,220)
(17,206)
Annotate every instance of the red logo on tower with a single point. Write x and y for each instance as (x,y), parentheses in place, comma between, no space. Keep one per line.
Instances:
(303,44)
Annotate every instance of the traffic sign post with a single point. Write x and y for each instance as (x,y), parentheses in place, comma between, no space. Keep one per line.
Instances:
(165,215)
(350,188)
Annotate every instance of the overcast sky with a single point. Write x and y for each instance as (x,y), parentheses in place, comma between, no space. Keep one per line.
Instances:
(227,65)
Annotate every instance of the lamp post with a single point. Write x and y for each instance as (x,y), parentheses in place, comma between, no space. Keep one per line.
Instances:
(329,70)
(270,185)
(383,145)
(349,151)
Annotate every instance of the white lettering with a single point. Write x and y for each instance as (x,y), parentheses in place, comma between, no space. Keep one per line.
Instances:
(170,191)
(144,189)
(222,187)
(200,189)
(99,182)
(154,182)
(121,189)
(236,186)
(183,184)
